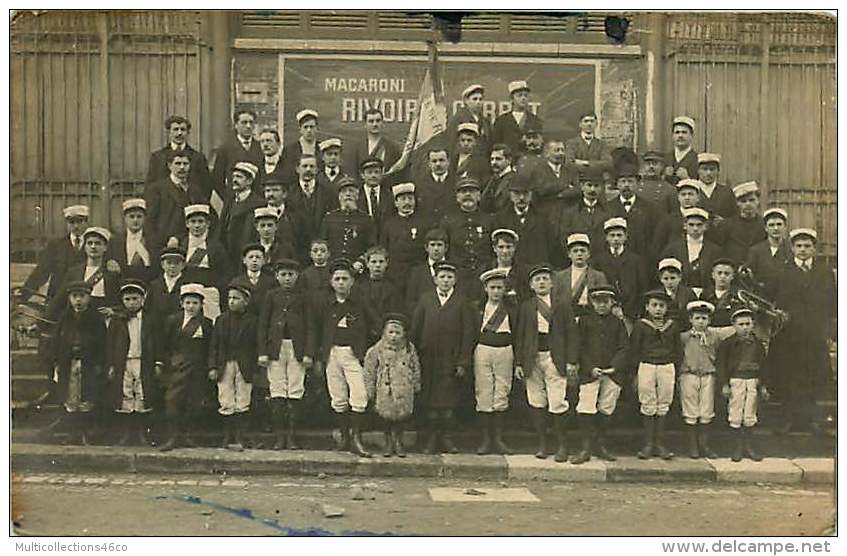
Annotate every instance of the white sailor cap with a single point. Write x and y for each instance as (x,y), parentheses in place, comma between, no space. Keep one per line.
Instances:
(192,289)
(684,120)
(745,188)
(247,168)
(494,273)
(742,312)
(130,204)
(504,232)
(76,211)
(516,86)
(329,143)
(612,223)
(266,212)
(136,285)
(803,232)
(468,126)
(400,188)
(196,209)
(307,113)
(775,211)
(700,306)
(670,262)
(471,88)
(688,182)
(97,231)
(579,238)
(703,158)
(695,212)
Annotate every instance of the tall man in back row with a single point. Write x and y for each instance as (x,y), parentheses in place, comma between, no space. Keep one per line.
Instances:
(509,127)
(239,147)
(178,129)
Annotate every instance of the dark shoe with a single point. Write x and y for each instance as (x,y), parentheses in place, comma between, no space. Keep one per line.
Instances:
(484,420)
(537,416)
(738,445)
(172,441)
(343,443)
(600,445)
(278,420)
(397,437)
(693,446)
(124,439)
(705,450)
(388,451)
(356,445)
(659,448)
(290,436)
(560,423)
(499,446)
(586,431)
(748,445)
(227,434)
(447,443)
(649,422)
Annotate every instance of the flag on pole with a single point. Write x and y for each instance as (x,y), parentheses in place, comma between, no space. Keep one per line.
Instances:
(430,119)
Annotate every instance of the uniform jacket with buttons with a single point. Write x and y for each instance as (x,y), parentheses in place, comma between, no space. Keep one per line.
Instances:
(284,311)
(604,343)
(349,233)
(403,236)
(234,339)
(469,238)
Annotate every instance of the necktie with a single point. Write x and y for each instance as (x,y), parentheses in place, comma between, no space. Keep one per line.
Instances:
(136,260)
(331,172)
(309,188)
(373,199)
(806,266)
(627,205)
(77,243)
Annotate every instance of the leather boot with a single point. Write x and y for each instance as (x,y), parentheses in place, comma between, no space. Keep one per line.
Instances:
(292,406)
(84,426)
(126,425)
(600,439)
(693,446)
(586,432)
(238,424)
(387,434)
(649,422)
(499,445)
(749,451)
(738,444)
(227,430)
(173,438)
(446,437)
(343,419)
(356,446)
(278,421)
(397,437)
(538,417)
(432,434)
(659,447)
(705,450)
(560,423)
(484,421)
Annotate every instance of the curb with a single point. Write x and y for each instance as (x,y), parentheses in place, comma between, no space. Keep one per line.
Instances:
(210,461)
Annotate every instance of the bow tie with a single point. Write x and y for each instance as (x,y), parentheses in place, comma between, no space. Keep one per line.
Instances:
(627,204)
(700,335)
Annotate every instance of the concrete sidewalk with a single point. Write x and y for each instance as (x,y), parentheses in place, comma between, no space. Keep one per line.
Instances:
(34,458)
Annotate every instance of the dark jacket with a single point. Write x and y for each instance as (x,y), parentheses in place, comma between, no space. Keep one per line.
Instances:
(56,258)
(737,235)
(383,296)
(225,157)
(689,162)
(403,236)
(220,267)
(236,225)
(597,153)
(87,331)
(290,157)
(729,358)
(462,116)
(696,274)
(117,347)
(362,322)
(628,274)
(178,350)
(161,303)
(111,287)
(511,316)
(166,204)
(656,346)
(604,343)
(234,339)
(641,221)
(562,287)
(357,151)
(495,193)
(536,238)
(349,233)
(310,211)
(507,131)
(435,199)
(564,335)
(116,251)
(767,267)
(198,172)
(284,313)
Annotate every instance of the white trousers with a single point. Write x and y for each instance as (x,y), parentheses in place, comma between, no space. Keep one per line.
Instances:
(697,395)
(233,391)
(600,395)
(132,400)
(286,375)
(345,381)
(545,387)
(743,401)
(492,377)
(655,388)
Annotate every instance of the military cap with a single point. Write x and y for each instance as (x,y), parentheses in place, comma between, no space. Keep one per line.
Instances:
(330,143)
(131,284)
(745,188)
(444,266)
(516,86)
(371,162)
(504,232)
(493,274)
(305,115)
(97,231)
(468,182)
(78,286)
(472,88)
(653,155)
(134,204)
(657,294)
(345,182)
(76,211)
(700,306)
(803,232)
(192,289)
(286,264)
(172,252)
(684,120)
(598,291)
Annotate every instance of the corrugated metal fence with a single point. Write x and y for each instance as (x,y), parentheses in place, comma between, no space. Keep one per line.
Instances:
(90,92)
(762,89)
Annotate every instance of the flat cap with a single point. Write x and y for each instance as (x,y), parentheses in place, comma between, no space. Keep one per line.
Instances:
(177,252)
(575,239)
(670,262)
(191,210)
(76,211)
(515,86)
(472,88)
(695,212)
(775,212)
(598,291)
(444,266)
(78,286)
(395,318)
(539,269)
(613,223)
(286,264)
(493,274)
(657,294)
(723,260)
(306,114)
(330,143)
(341,263)
(97,231)
(371,162)
(240,286)
(742,312)
(704,158)
(745,188)
(192,289)
(131,284)
(134,204)
(689,182)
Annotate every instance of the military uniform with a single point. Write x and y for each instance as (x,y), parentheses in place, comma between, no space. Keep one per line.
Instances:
(348,232)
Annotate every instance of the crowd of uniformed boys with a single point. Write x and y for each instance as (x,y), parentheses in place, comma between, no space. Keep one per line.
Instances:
(503,257)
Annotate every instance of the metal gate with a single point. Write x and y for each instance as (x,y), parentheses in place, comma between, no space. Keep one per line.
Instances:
(89,93)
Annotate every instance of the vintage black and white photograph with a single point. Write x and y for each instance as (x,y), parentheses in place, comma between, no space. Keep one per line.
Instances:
(416,272)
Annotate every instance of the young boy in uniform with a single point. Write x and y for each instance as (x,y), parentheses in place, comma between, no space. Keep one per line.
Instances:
(232,363)
(274,246)
(285,351)
(131,343)
(315,278)
(721,293)
(422,276)
(548,348)
(743,377)
(162,297)
(77,350)
(573,283)
(376,289)
(255,275)
(602,364)
(655,350)
(670,278)
(183,365)
(694,251)
(207,261)
(346,327)
(493,360)
(697,376)
(623,268)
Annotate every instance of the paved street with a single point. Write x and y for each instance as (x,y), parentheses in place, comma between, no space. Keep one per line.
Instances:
(98,504)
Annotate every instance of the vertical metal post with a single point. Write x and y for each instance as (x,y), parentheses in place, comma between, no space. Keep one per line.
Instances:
(105,109)
(764,110)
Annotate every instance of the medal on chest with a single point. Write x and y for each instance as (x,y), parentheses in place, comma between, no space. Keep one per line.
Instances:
(414,232)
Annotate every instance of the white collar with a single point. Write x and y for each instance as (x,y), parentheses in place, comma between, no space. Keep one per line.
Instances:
(242,195)
(442,176)
(273,159)
(194,240)
(589,204)
(505,171)
(586,139)
(708,189)
(800,263)
(679,155)
(444,295)
(180,148)
(246,143)
(631,200)
(555,167)
(253,273)
(135,235)
(178,184)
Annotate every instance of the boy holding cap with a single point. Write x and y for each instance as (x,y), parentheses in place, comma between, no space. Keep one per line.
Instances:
(182,366)
(76,354)
(738,233)
(442,331)
(602,364)
(131,248)
(232,363)
(548,350)
(403,233)
(59,254)
(493,359)
(682,162)
(694,251)
(236,224)
(285,351)
(348,230)
(743,378)
(767,258)
(573,283)
(697,375)
(509,126)
(624,269)
(131,348)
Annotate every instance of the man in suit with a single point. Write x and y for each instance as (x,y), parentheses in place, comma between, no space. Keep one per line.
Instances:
(270,168)
(374,144)
(653,186)
(306,143)
(640,214)
(167,198)
(308,199)
(330,174)
(551,179)
(715,197)
(509,127)
(237,229)
(60,254)
(738,233)
(422,276)
(695,252)
(495,193)
(435,187)
(588,214)
(239,147)
(574,282)
(471,112)
(536,237)
(625,269)
(468,159)
(130,248)
(586,150)
(376,198)
(178,128)
(682,162)
(768,258)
